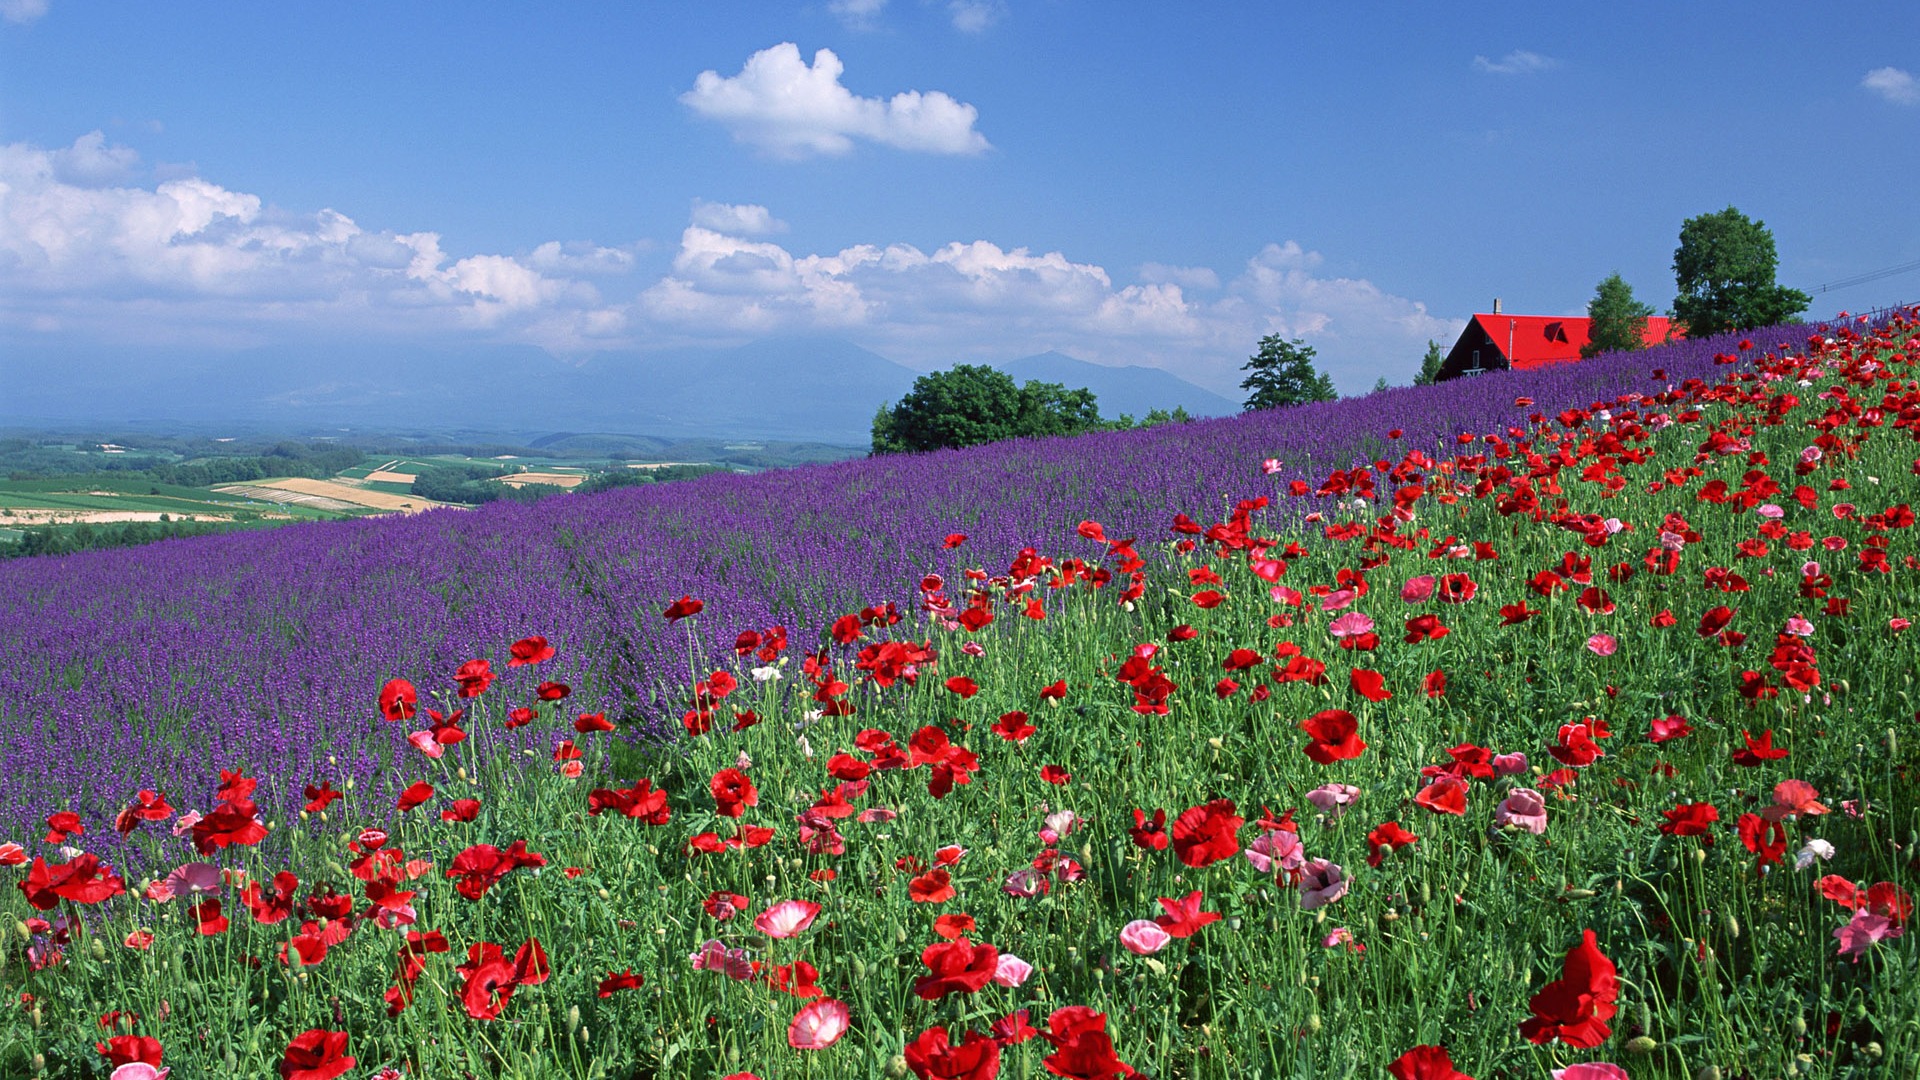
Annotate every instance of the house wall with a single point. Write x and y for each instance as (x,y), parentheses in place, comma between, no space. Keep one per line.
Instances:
(1460,359)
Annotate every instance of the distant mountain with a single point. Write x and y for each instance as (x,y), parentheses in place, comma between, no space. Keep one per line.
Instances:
(1131,390)
(796,388)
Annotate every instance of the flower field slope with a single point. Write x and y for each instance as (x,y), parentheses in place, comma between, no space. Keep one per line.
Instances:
(1558,724)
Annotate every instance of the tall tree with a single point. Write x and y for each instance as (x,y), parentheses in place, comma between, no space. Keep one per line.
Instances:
(1724,270)
(1430,364)
(1616,322)
(1282,373)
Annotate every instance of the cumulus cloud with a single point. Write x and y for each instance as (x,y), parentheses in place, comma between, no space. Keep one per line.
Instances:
(857,14)
(1517,62)
(22,11)
(1895,85)
(189,256)
(187,260)
(744,219)
(1187,277)
(975,16)
(790,109)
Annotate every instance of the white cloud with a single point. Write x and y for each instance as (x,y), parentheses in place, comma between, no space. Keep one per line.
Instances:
(1517,62)
(744,219)
(22,11)
(1895,85)
(1187,277)
(975,16)
(195,260)
(188,261)
(90,162)
(857,14)
(791,109)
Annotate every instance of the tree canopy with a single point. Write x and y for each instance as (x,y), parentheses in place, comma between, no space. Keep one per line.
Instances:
(970,404)
(1616,322)
(1430,364)
(1724,271)
(1282,373)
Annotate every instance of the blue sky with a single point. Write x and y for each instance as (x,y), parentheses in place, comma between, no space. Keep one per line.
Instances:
(976,180)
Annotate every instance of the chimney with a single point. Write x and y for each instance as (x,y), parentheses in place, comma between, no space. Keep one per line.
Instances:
(1496,305)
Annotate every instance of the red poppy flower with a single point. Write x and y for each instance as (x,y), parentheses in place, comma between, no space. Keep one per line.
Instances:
(417,792)
(954,540)
(1576,1007)
(206,916)
(587,723)
(1455,588)
(531,650)
(933,887)
(316,1055)
(933,1056)
(1183,917)
(1014,727)
(625,980)
(954,925)
(1425,628)
(1425,1063)
(232,822)
(319,798)
(1335,734)
(1690,819)
(1054,691)
(1149,833)
(1054,774)
(1672,727)
(1714,620)
(1013,1029)
(397,700)
(1388,837)
(732,792)
(1765,838)
(1208,598)
(481,866)
(474,677)
(271,907)
(460,810)
(797,978)
(1758,750)
(957,966)
(1203,835)
(1445,795)
(1082,1048)
(965,687)
(131,1050)
(1370,685)
(682,608)
(62,823)
(640,802)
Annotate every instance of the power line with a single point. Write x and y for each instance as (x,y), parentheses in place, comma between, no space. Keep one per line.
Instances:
(1871,275)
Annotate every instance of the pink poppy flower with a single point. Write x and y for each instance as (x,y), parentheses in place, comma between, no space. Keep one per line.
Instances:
(819,1025)
(1144,937)
(193,879)
(1865,930)
(424,742)
(1338,599)
(184,824)
(140,1070)
(1026,883)
(1602,645)
(1523,808)
(1333,799)
(1417,589)
(788,918)
(1591,1070)
(1509,765)
(1340,936)
(1352,624)
(1793,797)
(1011,971)
(714,956)
(1324,883)
(1276,848)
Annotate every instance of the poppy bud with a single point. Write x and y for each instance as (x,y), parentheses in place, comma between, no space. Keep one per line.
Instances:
(1799,1026)
(1155,966)
(573,1019)
(605,895)
(1641,1045)
(1733,925)
(1700,855)
(897,1066)
(1872,1050)
(98,949)
(232,1061)
(38,1022)
(899,932)
(21,929)
(1313,1023)
(1708,1072)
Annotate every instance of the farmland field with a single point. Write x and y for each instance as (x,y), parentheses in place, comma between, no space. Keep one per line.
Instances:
(1558,723)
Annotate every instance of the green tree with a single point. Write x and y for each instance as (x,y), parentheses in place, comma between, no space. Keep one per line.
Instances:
(1282,373)
(1616,322)
(1430,364)
(1724,269)
(969,404)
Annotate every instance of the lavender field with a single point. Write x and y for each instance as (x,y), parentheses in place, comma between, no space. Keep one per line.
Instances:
(145,668)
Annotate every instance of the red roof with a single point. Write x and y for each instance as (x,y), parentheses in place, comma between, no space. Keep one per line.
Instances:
(1531,341)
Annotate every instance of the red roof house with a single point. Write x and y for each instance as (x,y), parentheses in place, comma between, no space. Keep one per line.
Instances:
(1494,341)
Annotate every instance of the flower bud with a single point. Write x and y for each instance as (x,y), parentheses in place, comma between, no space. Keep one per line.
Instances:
(1641,1045)
(896,1067)
(1313,1023)
(1707,1072)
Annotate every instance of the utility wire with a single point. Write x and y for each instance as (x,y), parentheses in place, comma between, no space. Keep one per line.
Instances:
(1871,275)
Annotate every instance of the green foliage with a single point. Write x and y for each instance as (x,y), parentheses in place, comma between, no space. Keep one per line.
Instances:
(1430,364)
(1616,321)
(970,404)
(467,484)
(65,539)
(1154,418)
(1282,373)
(610,479)
(1724,270)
